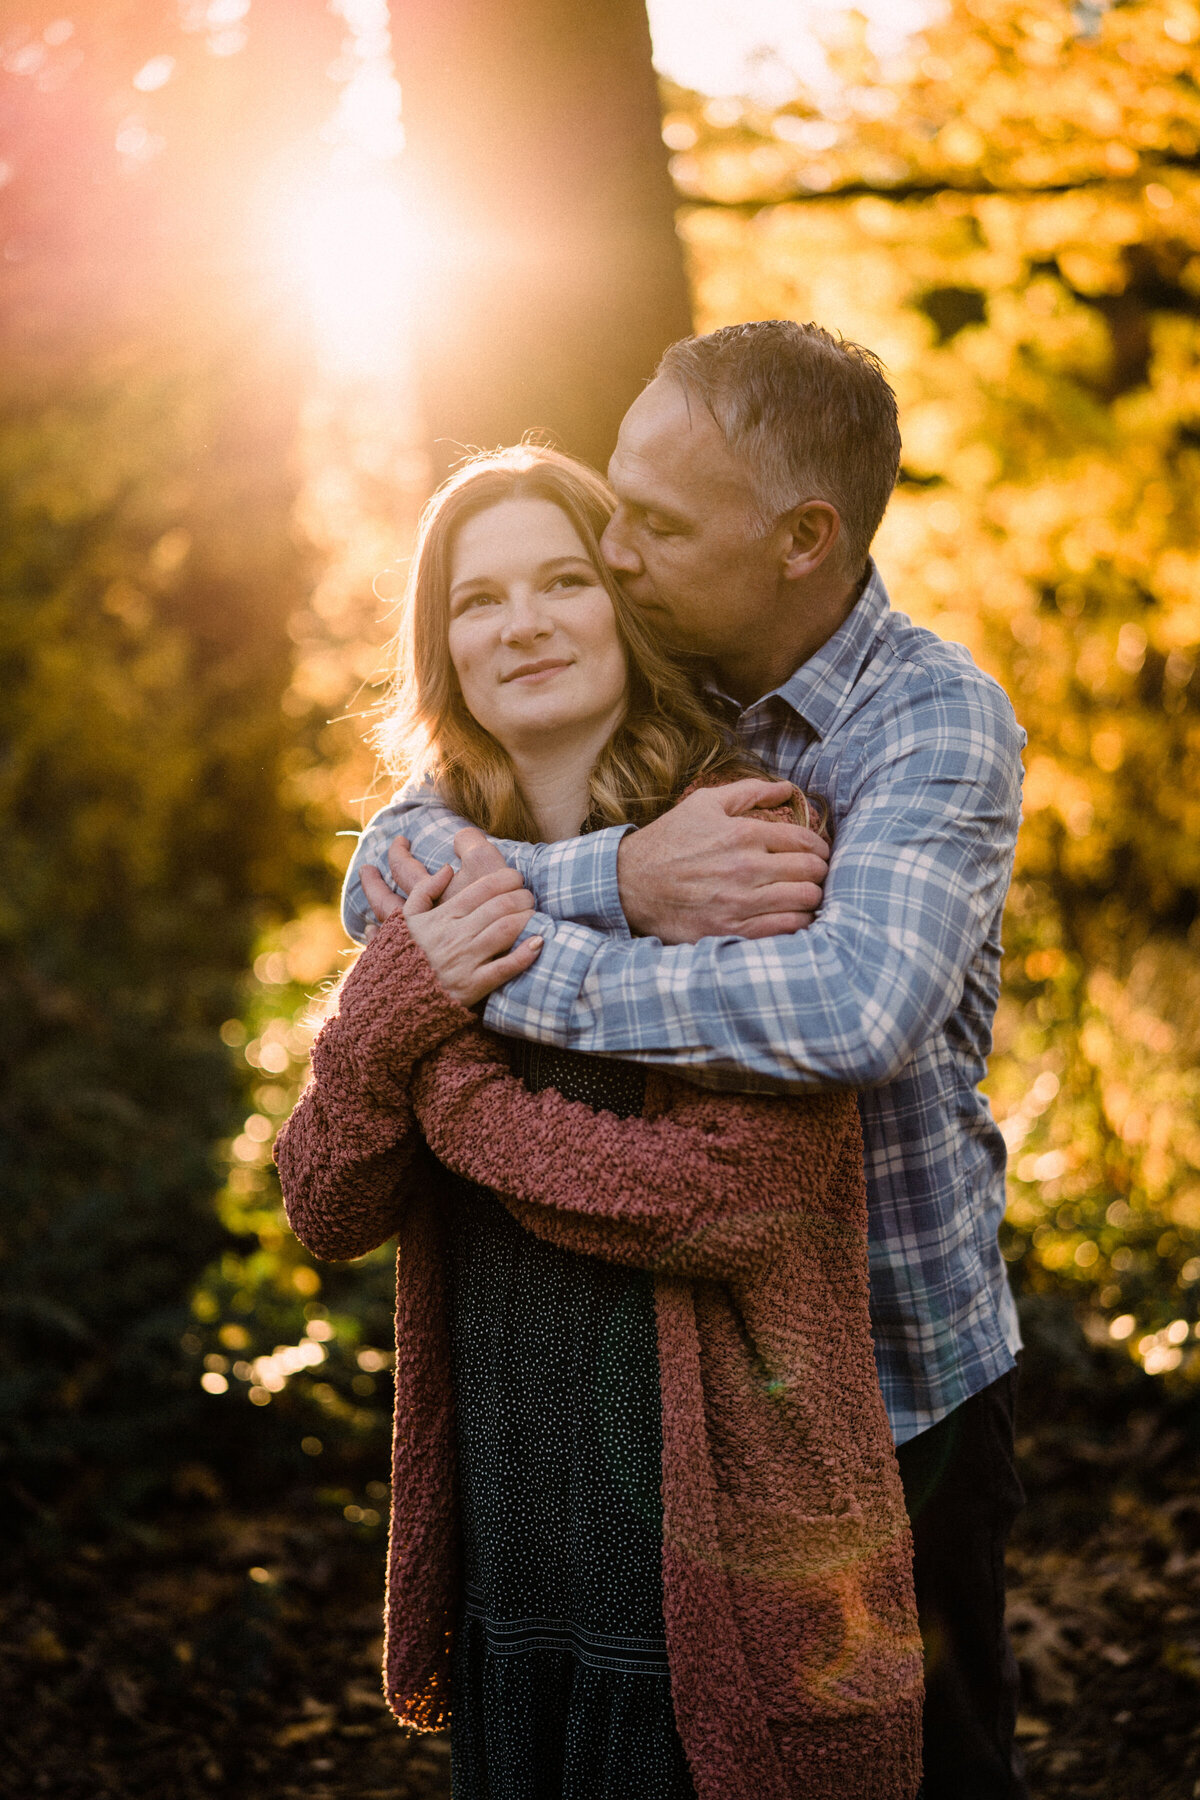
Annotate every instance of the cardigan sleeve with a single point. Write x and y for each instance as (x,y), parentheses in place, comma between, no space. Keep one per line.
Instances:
(350,1153)
(708,1185)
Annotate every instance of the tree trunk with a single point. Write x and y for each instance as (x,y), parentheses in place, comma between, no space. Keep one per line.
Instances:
(551,275)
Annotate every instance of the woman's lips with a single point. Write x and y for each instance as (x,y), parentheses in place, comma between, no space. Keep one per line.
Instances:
(534,673)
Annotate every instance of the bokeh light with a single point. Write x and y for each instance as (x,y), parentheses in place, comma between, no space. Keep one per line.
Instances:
(763,48)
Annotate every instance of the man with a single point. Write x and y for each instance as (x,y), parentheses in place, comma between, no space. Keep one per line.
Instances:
(752,474)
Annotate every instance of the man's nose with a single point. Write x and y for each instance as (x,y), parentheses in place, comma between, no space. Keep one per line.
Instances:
(617,551)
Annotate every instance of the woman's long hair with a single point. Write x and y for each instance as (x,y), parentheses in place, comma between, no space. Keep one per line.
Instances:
(666,740)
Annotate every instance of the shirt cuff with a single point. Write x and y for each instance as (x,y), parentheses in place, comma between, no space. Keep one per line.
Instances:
(538,1004)
(578,881)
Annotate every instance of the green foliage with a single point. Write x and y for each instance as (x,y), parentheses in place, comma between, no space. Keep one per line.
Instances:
(272,1329)
(147,569)
(1012,219)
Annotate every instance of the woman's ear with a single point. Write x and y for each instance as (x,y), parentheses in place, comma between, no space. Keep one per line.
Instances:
(814,530)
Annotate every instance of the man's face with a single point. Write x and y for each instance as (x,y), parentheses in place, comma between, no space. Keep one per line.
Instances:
(685,539)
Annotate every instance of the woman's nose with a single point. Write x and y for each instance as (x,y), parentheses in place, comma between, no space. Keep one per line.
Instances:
(616,550)
(524,620)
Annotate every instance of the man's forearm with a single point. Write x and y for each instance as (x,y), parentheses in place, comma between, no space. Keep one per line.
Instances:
(573,879)
(791,1014)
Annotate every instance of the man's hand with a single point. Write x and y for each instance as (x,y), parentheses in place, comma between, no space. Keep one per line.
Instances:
(466,921)
(711,868)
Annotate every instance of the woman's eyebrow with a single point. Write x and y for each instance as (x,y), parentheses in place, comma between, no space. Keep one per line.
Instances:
(545,568)
(565,562)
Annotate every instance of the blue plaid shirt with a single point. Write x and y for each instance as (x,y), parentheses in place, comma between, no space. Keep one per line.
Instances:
(892,990)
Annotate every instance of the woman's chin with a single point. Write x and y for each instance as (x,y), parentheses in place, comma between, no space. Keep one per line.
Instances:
(537,724)
(558,721)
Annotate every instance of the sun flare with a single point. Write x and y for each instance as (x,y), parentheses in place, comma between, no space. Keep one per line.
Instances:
(346,239)
(351,243)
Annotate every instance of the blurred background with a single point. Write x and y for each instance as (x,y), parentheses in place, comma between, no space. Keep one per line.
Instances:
(267,268)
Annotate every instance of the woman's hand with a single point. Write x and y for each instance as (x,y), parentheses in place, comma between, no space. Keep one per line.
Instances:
(469,938)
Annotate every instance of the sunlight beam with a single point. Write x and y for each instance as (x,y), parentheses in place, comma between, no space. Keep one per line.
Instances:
(352,243)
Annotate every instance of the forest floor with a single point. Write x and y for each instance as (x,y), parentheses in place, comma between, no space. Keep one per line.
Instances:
(226,1653)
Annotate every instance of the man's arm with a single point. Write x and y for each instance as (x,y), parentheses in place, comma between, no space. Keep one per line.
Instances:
(736,871)
(575,879)
(919,872)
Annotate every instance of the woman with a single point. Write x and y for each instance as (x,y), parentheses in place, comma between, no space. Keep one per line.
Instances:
(648,1537)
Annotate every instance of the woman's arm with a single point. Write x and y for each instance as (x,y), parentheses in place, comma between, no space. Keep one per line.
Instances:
(345,1157)
(707,1186)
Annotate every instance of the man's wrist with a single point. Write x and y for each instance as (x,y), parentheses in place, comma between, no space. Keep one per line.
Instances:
(629,885)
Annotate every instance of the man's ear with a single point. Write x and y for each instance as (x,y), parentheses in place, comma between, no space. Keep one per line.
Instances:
(814,530)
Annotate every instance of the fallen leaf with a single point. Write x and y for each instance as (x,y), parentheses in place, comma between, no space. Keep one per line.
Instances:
(303,1729)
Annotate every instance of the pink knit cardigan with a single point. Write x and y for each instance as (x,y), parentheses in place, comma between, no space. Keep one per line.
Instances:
(787,1560)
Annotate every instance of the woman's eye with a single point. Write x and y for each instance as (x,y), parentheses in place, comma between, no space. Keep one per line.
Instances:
(477,600)
(570,581)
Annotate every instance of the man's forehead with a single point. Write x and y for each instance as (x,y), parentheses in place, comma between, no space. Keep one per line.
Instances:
(670,444)
(665,409)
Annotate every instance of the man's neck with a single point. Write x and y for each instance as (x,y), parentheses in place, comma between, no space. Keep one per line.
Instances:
(787,641)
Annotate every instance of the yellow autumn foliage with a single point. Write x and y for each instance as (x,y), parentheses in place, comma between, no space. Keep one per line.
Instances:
(1011,219)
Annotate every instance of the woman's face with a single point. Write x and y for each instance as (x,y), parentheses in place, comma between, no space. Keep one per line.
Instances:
(532,634)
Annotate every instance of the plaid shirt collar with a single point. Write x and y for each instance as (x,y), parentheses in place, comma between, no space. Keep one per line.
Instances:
(819,689)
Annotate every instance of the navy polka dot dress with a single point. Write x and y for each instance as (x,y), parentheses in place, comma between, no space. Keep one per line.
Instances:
(559,1684)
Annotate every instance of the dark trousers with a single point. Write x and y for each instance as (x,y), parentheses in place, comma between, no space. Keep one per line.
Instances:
(963,1493)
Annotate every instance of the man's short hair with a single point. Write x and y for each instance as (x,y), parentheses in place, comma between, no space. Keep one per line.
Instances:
(811,415)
